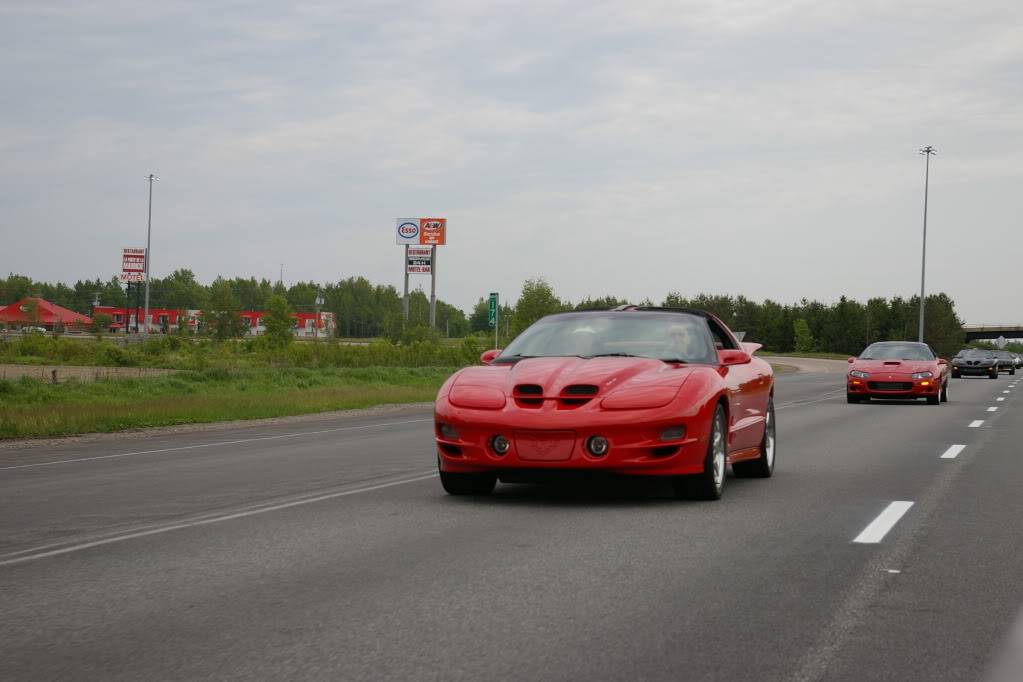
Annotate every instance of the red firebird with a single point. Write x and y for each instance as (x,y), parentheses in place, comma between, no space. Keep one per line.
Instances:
(898,369)
(635,390)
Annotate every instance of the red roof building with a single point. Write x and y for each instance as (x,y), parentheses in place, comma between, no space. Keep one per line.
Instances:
(40,313)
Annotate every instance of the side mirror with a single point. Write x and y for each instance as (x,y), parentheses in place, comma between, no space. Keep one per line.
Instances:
(852,360)
(488,356)
(942,361)
(728,357)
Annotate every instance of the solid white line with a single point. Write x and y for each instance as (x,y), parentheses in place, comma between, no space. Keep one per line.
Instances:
(976,423)
(213,445)
(884,522)
(207,521)
(953,452)
(992,409)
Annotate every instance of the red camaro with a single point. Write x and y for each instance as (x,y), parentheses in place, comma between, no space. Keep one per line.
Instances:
(897,369)
(644,391)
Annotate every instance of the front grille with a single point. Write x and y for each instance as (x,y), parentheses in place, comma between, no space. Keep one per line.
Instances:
(529,389)
(890,385)
(580,389)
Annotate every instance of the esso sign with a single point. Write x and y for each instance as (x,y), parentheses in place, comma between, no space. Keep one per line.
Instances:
(408,231)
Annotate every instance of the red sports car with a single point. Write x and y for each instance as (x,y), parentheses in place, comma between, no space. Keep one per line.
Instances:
(898,369)
(635,390)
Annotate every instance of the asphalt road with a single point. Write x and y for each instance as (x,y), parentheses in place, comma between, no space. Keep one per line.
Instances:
(328,551)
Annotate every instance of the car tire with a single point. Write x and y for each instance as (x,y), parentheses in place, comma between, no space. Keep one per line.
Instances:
(710,483)
(993,375)
(468,484)
(944,393)
(853,399)
(1012,372)
(762,466)
(956,375)
(933,400)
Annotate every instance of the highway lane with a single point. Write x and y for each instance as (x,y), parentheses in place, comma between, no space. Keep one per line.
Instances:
(597,580)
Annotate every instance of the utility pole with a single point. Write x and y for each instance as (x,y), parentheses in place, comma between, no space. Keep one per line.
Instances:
(149,234)
(433,286)
(404,301)
(927,151)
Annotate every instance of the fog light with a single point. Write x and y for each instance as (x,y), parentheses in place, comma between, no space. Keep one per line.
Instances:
(925,383)
(500,444)
(674,433)
(597,445)
(448,431)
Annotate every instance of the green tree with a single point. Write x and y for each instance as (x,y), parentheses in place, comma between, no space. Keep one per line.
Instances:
(537,300)
(100,323)
(278,322)
(222,318)
(803,338)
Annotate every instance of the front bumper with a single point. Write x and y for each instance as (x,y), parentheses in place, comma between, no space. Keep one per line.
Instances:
(898,387)
(634,437)
(974,370)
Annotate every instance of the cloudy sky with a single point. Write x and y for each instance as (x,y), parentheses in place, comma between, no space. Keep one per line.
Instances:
(759,148)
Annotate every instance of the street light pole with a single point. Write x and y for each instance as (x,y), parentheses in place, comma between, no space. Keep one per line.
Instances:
(149,234)
(927,151)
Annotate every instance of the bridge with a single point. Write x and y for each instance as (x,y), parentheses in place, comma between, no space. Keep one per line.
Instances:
(978,332)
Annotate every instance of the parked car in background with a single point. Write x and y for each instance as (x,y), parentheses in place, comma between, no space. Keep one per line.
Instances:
(1019,360)
(1006,363)
(975,361)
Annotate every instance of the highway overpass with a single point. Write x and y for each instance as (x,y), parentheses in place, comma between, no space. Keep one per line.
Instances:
(987,332)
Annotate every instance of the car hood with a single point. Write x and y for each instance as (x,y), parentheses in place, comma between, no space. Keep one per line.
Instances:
(560,377)
(894,366)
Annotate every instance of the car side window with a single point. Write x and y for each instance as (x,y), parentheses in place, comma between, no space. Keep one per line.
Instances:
(722,340)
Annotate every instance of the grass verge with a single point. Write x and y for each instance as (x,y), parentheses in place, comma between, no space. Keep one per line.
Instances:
(31,408)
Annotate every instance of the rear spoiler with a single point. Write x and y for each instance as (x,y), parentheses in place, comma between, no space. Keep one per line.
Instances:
(751,348)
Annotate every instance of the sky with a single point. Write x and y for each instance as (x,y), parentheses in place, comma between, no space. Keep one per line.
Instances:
(768,149)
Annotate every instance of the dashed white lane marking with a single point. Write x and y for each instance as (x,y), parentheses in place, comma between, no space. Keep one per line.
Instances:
(885,521)
(1006,391)
(999,399)
(216,444)
(953,452)
(992,409)
(211,519)
(976,423)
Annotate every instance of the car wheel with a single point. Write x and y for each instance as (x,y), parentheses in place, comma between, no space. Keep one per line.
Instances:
(762,466)
(944,393)
(468,484)
(849,397)
(1012,372)
(956,375)
(993,375)
(710,483)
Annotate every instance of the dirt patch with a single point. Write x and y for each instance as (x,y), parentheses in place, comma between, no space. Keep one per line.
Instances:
(61,373)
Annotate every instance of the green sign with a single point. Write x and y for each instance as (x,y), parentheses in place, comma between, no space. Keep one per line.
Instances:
(492,317)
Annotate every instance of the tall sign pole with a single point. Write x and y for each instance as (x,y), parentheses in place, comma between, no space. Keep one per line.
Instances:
(149,234)
(433,286)
(404,301)
(927,152)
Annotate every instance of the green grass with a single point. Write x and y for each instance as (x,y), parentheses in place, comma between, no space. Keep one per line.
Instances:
(31,408)
(820,356)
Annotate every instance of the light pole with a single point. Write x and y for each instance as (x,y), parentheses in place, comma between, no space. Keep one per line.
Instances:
(149,234)
(316,325)
(927,151)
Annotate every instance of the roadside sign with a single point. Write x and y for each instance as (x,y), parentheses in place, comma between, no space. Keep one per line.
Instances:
(133,265)
(492,311)
(433,231)
(407,231)
(420,260)
(1001,342)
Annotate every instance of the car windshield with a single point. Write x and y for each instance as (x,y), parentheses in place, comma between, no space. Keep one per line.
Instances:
(1004,354)
(975,353)
(665,336)
(897,351)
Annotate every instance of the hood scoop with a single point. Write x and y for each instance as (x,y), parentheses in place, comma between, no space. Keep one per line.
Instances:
(531,395)
(892,362)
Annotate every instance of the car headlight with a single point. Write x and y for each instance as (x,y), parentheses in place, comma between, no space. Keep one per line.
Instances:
(923,375)
(858,374)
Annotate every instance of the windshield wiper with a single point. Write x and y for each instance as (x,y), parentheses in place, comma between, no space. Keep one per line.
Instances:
(678,361)
(512,358)
(614,355)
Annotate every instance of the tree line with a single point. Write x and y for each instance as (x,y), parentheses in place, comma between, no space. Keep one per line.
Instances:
(366,310)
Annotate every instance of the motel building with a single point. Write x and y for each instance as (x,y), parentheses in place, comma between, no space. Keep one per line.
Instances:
(306,325)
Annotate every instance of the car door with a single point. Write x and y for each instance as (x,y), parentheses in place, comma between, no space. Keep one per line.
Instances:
(746,395)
